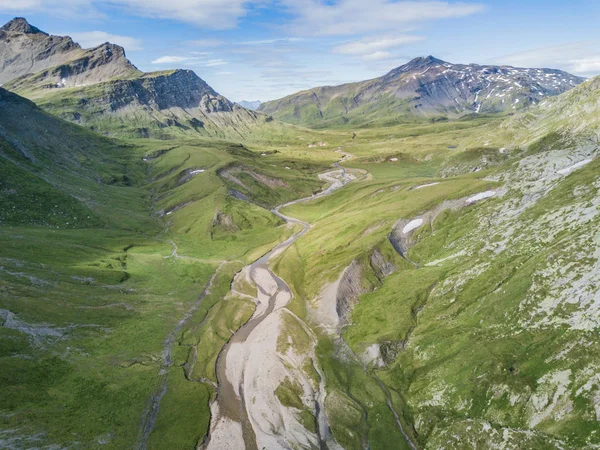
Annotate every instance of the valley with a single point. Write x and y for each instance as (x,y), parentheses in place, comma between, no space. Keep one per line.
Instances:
(180,272)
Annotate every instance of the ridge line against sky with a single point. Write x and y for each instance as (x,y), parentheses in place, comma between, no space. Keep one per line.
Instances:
(266,49)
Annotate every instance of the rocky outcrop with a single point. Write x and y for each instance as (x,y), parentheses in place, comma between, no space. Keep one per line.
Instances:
(103,63)
(100,88)
(356,280)
(349,289)
(24,49)
(158,91)
(182,89)
(400,240)
(31,59)
(380,265)
(19,25)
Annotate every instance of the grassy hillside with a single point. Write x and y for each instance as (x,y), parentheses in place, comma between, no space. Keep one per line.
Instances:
(479,333)
(106,246)
(476,328)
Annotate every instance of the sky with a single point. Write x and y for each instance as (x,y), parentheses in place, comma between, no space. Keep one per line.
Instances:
(266,49)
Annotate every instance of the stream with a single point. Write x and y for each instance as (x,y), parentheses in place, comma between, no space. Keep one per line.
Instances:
(230,409)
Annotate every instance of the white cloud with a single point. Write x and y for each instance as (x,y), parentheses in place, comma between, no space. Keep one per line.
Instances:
(12,5)
(347,17)
(589,65)
(215,62)
(343,17)
(273,41)
(377,56)
(206,43)
(189,60)
(224,73)
(545,56)
(376,48)
(94,38)
(170,59)
(213,14)
(61,8)
(581,58)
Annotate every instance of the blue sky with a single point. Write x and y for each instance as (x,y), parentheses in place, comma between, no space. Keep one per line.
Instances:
(265,49)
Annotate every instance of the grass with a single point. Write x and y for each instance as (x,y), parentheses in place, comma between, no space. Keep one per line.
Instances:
(106,245)
(114,336)
(453,328)
(87,254)
(343,222)
(289,393)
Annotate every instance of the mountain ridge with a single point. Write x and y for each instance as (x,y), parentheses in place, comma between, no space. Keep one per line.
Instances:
(424,87)
(445,295)
(101,89)
(26,49)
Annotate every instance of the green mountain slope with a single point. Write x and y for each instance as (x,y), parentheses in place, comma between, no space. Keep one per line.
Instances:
(106,247)
(444,293)
(567,119)
(476,312)
(58,174)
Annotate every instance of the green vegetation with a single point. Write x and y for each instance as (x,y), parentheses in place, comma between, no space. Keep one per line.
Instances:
(95,274)
(113,252)
(460,336)
(289,393)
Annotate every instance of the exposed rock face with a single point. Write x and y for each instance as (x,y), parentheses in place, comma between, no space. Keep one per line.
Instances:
(349,289)
(103,63)
(161,91)
(102,89)
(426,87)
(20,25)
(380,265)
(183,89)
(400,240)
(25,49)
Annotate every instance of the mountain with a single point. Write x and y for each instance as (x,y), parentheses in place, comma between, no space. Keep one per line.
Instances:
(436,287)
(25,49)
(101,89)
(422,88)
(253,105)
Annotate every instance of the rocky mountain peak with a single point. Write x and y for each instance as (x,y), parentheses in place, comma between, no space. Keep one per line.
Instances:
(110,52)
(39,64)
(422,62)
(20,25)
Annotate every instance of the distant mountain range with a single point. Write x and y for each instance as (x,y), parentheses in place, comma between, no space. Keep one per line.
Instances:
(423,88)
(100,88)
(253,105)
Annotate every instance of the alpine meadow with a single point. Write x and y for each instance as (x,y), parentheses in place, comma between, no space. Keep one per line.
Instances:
(386,251)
